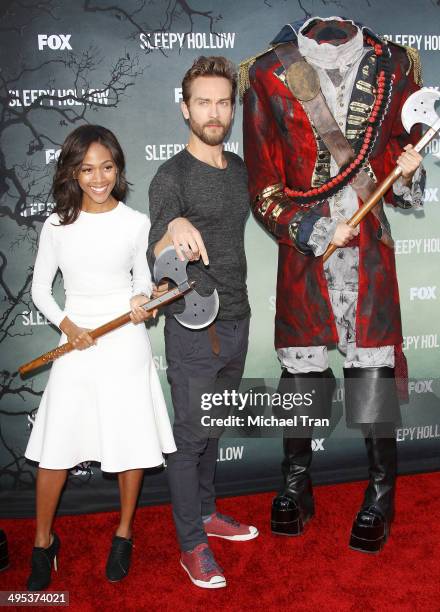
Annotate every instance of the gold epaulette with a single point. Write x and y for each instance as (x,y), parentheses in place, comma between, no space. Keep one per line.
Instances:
(243,72)
(414,63)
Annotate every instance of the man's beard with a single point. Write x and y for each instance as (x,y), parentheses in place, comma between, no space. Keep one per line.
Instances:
(202,132)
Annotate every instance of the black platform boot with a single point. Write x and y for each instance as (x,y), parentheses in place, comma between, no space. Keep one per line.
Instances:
(372,395)
(371,526)
(294,506)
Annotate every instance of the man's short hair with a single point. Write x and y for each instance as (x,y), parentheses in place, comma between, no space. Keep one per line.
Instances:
(214,65)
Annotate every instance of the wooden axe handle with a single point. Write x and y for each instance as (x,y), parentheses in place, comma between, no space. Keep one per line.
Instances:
(368,206)
(166,298)
(383,187)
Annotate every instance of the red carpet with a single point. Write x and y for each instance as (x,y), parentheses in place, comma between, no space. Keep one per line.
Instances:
(314,572)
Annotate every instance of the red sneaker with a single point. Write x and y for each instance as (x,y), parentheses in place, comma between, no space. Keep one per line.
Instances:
(202,568)
(222,526)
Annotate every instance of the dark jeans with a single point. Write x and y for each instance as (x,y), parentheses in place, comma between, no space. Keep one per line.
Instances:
(191,469)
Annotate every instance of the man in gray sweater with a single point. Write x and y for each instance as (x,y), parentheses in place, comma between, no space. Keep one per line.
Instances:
(199,202)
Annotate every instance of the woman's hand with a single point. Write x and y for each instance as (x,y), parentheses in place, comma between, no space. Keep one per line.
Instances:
(79,337)
(138,314)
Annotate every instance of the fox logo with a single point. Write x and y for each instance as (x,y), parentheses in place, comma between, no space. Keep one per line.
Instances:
(55,42)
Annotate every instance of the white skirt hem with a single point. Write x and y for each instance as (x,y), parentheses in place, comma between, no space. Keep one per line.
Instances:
(104,467)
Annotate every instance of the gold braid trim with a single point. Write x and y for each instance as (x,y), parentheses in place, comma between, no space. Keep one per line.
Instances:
(269,190)
(415,64)
(243,73)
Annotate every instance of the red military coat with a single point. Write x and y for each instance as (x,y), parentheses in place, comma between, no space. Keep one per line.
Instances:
(281,150)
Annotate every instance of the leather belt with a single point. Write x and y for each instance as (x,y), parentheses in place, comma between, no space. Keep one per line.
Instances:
(214,339)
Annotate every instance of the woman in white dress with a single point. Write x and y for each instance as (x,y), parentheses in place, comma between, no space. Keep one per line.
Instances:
(103,402)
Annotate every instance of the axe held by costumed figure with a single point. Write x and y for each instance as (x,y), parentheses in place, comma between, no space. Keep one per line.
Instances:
(418,108)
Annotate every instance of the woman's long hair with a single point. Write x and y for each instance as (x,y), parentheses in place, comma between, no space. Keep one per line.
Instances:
(66,190)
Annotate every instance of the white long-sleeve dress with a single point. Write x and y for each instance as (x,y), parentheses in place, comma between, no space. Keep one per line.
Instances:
(104,403)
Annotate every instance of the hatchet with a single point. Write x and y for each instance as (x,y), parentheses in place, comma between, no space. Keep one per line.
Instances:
(199,311)
(418,108)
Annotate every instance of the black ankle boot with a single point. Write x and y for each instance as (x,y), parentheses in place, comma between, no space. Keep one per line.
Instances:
(118,562)
(42,559)
(294,506)
(4,556)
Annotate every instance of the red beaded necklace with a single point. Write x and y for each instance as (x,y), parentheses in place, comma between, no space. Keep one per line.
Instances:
(348,172)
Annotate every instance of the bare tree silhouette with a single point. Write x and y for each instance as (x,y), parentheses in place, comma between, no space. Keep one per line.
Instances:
(306,6)
(175,13)
(25,185)
(25,182)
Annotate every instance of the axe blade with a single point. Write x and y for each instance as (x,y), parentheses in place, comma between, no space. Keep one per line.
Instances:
(199,311)
(168,265)
(420,108)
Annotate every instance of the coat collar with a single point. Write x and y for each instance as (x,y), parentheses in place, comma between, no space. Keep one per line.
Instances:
(289,32)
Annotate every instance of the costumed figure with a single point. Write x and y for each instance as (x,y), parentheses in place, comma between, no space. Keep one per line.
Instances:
(322,126)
